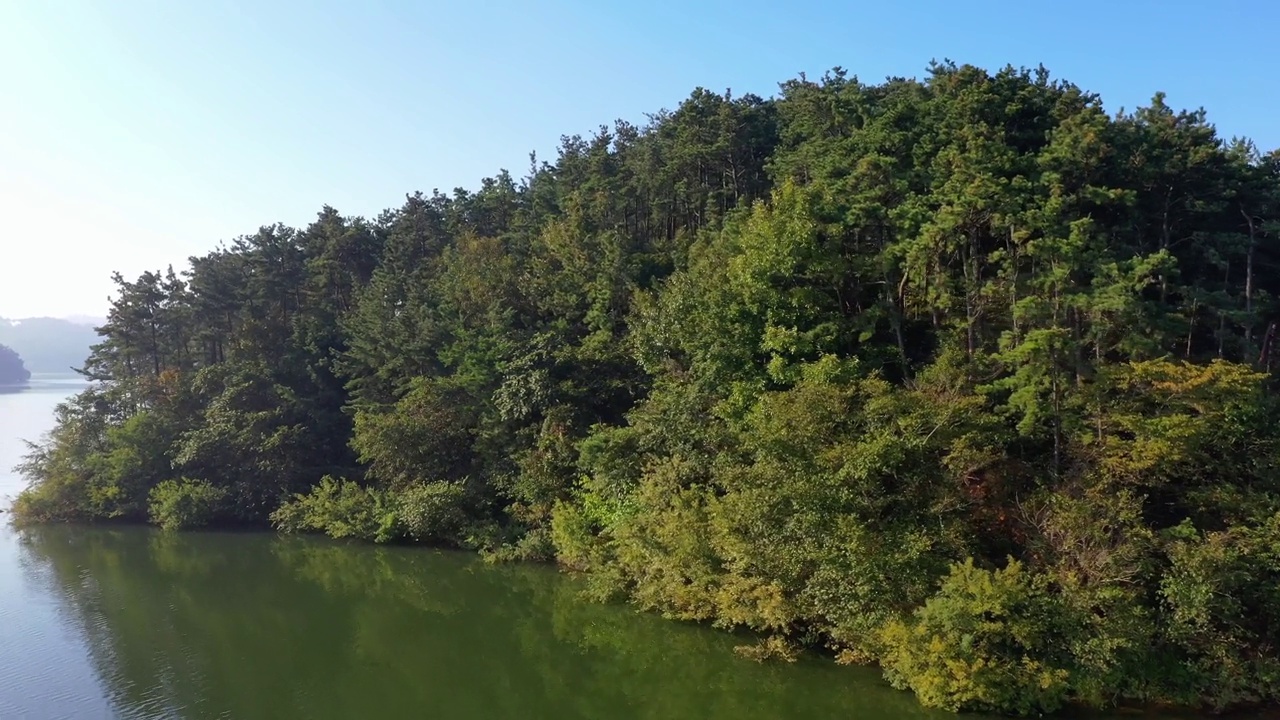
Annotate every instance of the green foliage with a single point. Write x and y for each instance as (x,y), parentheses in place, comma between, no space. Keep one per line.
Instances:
(425,436)
(60,468)
(987,641)
(1222,612)
(573,533)
(184,504)
(434,512)
(775,365)
(773,647)
(340,509)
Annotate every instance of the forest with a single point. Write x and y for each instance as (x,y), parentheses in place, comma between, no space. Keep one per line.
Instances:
(964,376)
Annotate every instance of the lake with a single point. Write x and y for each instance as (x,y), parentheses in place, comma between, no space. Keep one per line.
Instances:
(112,622)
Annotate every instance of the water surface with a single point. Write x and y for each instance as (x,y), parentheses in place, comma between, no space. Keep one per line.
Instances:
(110,622)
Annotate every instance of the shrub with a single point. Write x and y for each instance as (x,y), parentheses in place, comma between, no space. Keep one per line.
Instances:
(340,509)
(1221,611)
(773,647)
(185,503)
(434,512)
(987,641)
(572,532)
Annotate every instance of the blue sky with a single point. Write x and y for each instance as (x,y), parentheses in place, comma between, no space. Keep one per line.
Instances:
(136,133)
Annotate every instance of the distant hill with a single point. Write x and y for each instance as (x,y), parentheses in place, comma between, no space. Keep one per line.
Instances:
(48,345)
(12,370)
(86,320)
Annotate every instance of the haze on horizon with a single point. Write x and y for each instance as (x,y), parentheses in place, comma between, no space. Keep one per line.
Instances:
(136,134)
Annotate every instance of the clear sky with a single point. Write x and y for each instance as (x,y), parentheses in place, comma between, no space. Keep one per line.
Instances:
(135,133)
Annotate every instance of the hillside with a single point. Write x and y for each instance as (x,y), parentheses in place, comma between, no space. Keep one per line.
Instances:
(49,345)
(12,370)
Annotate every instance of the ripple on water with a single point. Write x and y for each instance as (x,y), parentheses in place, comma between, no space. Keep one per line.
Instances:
(44,666)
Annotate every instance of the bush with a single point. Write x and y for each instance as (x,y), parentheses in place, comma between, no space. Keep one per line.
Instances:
(434,512)
(340,509)
(1221,613)
(183,504)
(573,533)
(773,647)
(987,641)
(55,498)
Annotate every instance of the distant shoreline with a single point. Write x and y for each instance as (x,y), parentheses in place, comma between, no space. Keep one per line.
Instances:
(46,380)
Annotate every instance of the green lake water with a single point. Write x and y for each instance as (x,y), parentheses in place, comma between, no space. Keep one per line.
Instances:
(111,622)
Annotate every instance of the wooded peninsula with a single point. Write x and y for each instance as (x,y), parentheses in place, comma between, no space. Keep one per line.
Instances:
(13,372)
(965,377)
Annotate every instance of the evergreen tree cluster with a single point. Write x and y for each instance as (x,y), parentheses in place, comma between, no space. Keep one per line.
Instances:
(962,376)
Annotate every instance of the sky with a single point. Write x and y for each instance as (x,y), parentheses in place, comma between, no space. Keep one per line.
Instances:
(137,133)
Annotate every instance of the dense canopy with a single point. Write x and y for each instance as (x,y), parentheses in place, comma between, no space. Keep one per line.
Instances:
(961,375)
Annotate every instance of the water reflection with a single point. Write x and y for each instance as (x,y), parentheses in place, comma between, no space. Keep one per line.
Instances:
(251,626)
